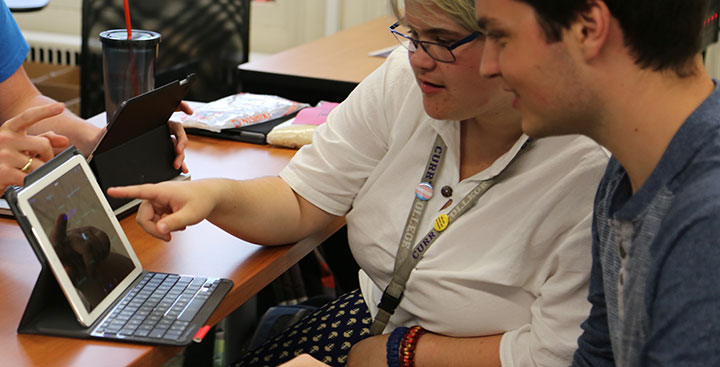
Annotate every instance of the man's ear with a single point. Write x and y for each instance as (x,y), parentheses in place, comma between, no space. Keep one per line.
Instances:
(592,28)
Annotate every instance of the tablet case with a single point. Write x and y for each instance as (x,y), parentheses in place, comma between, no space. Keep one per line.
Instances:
(138,131)
(137,147)
(47,311)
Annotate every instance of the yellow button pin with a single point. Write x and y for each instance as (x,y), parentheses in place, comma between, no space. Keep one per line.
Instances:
(441,222)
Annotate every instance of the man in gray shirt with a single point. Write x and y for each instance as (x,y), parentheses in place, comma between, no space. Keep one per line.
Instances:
(628,74)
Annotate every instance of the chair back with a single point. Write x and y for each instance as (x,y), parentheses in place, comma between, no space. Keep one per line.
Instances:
(207,37)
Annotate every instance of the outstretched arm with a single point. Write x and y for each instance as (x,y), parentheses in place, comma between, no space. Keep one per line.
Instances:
(264,210)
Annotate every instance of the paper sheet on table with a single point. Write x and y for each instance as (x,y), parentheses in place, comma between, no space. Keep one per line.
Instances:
(383,52)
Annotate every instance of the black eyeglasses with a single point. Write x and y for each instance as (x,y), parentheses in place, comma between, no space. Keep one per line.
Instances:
(438,51)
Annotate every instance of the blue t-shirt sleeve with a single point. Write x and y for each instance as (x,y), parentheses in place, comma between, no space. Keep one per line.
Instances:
(13,47)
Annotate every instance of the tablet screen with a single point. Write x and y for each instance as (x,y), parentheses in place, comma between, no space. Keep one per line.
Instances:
(80,237)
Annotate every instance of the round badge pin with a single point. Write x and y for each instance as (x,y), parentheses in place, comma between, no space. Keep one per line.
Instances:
(424,191)
(441,222)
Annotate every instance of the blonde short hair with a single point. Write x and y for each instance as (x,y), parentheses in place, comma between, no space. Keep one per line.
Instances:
(461,11)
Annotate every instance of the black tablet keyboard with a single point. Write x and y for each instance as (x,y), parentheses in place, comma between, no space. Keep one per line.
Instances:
(161,306)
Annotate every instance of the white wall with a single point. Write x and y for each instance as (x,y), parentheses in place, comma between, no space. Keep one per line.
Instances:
(60,16)
(274,26)
(282,24)
(712,60)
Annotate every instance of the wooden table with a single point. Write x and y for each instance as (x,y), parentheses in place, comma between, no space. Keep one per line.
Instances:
(202,249)
(325,69)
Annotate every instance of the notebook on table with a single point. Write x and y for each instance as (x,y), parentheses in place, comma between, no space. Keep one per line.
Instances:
(92,284)
(136,147)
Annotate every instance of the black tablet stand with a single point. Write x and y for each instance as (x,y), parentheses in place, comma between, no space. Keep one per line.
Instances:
(47,310)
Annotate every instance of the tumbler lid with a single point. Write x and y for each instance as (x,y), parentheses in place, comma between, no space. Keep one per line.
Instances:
(140,38)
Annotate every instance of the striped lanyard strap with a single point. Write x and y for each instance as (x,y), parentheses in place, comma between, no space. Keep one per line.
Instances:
(407,256)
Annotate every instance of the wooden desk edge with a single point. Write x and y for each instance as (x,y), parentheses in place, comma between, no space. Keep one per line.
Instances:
(291,254)
(359,41)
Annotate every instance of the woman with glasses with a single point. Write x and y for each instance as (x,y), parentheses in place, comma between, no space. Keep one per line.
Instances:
(474,242)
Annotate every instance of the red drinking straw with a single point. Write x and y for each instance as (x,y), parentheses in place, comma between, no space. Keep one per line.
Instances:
(127,19)
(133,71)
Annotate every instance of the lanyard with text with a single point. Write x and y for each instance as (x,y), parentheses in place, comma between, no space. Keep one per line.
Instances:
(407,258)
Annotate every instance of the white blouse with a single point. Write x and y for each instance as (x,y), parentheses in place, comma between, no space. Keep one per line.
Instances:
(517,263)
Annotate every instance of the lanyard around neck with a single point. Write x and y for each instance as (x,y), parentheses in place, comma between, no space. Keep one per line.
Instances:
(422,194)
(408,257)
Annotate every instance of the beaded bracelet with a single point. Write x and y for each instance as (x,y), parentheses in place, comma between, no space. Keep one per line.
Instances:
(393,346)
(409,344)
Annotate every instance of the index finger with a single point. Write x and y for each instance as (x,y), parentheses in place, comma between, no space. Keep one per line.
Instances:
(27,118)
(144,192)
